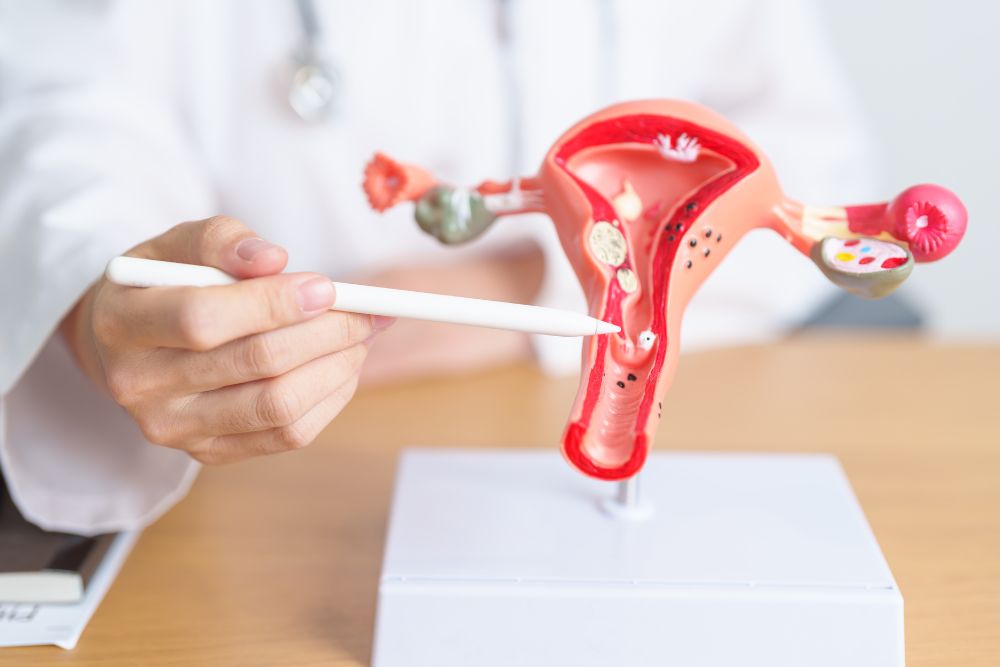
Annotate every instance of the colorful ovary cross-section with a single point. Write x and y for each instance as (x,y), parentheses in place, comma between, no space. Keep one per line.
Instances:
(648,197)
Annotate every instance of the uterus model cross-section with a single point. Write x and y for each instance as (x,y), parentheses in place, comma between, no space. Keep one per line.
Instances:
(648,197)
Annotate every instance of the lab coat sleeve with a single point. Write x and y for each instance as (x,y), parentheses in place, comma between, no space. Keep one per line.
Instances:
(90,166)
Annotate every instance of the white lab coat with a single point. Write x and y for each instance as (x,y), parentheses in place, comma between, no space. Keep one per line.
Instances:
(120,119)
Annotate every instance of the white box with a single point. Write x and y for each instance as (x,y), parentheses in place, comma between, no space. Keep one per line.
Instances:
(505,558)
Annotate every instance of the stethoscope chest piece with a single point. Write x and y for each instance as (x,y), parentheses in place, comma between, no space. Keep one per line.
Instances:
(314,88)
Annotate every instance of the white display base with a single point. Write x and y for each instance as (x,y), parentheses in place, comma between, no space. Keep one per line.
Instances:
(506,558)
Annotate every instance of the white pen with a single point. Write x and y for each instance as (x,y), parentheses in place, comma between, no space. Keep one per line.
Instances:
(137,272)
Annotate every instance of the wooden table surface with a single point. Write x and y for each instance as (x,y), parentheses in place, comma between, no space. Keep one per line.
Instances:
(276,561)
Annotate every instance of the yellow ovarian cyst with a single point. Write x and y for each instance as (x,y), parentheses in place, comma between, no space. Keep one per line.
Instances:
(845,256)
(627,280)
(607,244)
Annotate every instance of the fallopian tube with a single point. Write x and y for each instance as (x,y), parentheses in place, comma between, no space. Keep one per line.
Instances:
(648,197)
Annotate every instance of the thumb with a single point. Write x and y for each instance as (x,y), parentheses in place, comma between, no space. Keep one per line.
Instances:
(222,242)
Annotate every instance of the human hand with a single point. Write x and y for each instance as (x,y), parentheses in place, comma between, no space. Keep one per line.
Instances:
(228,372)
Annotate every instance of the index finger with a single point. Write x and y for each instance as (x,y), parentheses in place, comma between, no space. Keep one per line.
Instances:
(220,241)
(203,318)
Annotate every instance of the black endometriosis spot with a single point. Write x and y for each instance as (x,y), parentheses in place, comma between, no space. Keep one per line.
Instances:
(621,385)
(632,377)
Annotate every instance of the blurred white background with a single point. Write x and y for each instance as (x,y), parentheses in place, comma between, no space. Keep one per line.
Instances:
(927,73)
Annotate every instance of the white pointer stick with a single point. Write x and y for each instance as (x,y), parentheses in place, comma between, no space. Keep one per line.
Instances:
(137,272)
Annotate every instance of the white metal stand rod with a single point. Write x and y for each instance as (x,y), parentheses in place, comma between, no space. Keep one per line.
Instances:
(628,492)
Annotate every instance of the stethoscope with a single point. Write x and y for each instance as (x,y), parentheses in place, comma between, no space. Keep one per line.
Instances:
(315,87)
(314,90)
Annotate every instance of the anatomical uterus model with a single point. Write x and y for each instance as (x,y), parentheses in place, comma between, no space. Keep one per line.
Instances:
(648,197)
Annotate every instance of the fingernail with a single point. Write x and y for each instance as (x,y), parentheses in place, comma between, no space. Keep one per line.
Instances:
(316,294)
(247,249)
(382,322)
